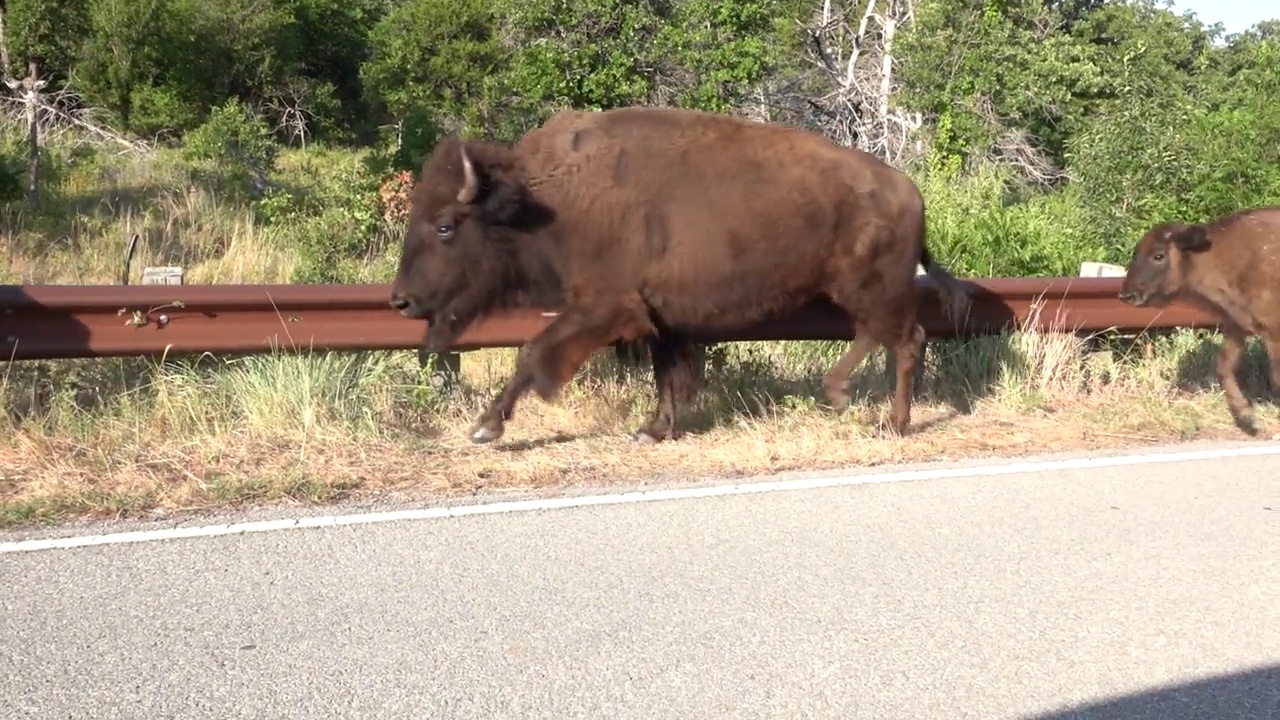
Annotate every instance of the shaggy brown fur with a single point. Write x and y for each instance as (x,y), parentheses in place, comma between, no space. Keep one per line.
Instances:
(647,223)
(1231,267)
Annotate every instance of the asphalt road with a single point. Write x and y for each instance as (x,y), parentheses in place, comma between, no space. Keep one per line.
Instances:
(987,597)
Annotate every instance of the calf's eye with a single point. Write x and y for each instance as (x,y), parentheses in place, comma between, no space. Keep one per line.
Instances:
(444,230)
(1158,256)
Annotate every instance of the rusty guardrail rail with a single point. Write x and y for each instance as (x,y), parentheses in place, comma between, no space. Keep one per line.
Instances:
(81,321)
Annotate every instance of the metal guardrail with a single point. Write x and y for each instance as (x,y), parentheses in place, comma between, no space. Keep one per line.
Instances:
(82,321)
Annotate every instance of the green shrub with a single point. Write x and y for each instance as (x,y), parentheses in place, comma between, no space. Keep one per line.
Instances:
(984,224)
(329,214)
(233,150)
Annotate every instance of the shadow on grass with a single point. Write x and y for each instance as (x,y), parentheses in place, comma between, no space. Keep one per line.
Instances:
(75,230)
(34,388)
(89,502)
(185,217)
(116,415)
(30,385)
(1198,363)
(757,379)
(224,491)
(1249,695)
(556,439)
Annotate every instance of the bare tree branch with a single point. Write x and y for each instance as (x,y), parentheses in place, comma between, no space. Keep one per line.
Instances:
(848,91)
(62,114)
(291,107)
(851,98)
(1016,148)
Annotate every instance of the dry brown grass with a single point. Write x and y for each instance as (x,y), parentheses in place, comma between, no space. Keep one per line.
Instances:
(121,438)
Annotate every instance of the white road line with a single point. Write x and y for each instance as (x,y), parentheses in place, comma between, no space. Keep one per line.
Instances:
(1022,468)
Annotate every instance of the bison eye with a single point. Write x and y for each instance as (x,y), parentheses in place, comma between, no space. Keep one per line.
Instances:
(444,230)
(1158,257)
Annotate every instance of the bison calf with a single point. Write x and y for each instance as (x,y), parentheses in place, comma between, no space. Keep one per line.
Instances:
(1231,267)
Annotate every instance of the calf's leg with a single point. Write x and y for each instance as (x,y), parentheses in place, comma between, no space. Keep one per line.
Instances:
(1233,340)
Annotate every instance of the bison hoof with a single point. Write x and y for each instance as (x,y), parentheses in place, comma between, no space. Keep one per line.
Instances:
(1247,421)
(838,399)
(482,434)
(642,437)
(893,428)
(652,434)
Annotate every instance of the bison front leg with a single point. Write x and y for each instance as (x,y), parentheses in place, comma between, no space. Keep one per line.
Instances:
(674,376)
(836,382)
(549,361)
(1233,340)
(492,423)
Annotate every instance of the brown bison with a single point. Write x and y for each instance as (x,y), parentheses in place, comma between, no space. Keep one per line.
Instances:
(647,224)
(1231,267)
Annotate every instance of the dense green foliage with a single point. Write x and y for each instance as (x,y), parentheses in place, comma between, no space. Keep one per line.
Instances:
(1132,114)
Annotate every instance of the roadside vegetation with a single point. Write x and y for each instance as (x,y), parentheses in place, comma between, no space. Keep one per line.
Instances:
(278,147)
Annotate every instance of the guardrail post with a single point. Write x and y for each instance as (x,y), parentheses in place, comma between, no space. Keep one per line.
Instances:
(163,275)
(167,275)
(1092,341)
(446,368)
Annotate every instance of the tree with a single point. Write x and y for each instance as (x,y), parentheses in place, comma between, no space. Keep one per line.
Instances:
(433,54)
(50,30)
(1185,156)
(122,52)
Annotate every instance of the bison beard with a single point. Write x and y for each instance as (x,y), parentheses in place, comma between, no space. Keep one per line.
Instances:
(643,225)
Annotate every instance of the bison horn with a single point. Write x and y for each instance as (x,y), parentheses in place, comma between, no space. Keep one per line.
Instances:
(470,184)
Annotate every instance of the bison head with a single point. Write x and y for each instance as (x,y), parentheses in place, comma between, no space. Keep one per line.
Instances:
(462,252)
(1157,270)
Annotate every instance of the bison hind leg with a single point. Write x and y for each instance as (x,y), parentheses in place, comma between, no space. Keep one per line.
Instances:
(898,334)
(1233,344)
(906,355)
(835,383)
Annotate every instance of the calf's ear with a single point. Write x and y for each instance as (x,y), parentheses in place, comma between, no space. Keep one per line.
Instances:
(1192,239)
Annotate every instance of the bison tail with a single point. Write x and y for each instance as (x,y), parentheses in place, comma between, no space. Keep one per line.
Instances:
(955,298)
